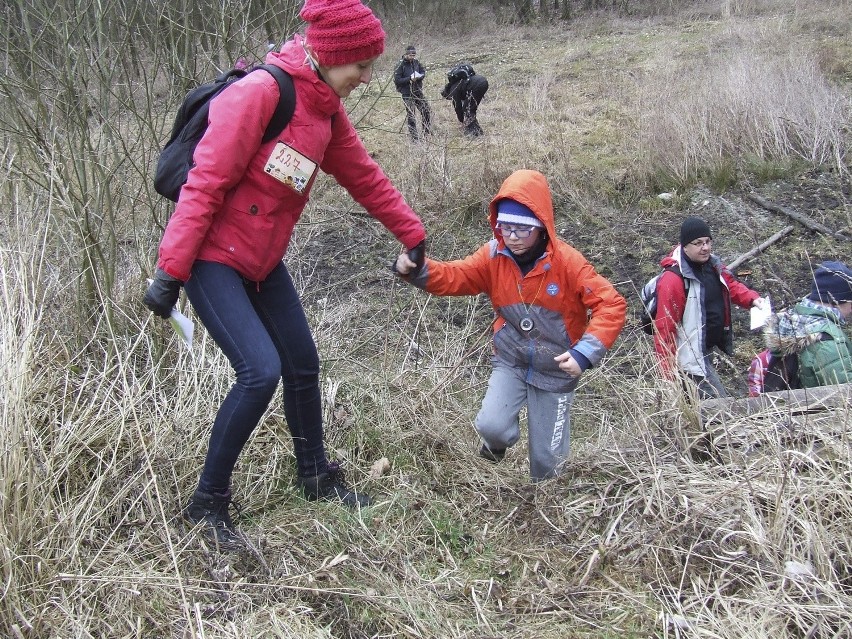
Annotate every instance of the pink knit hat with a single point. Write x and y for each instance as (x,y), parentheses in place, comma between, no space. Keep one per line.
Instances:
(342,31)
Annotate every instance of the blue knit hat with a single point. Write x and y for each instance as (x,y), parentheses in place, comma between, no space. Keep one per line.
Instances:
(511,212)
(832,283)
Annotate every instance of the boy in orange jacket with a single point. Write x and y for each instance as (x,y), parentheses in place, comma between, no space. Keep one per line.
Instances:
(555,318)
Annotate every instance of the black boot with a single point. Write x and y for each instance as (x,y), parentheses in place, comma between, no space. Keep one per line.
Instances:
(331,486)
(210,511)
(472,129)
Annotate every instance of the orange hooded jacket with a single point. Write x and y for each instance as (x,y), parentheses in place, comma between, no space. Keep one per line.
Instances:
(570,305)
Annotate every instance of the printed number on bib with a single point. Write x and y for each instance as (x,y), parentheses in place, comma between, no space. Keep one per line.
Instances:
(290,167)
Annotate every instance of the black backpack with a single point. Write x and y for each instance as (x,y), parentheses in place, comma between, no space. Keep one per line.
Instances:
(462,71)
(191,123)
(648,297)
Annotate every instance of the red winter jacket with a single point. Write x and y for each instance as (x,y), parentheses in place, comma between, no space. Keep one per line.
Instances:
(233,212)
(571,306)
(679,323)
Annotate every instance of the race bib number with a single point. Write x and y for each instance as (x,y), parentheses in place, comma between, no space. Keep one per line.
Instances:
(290,167)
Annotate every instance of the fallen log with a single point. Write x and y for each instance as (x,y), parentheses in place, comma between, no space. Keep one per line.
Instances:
(798,217)
(746,429)
(761,247)
(792,402)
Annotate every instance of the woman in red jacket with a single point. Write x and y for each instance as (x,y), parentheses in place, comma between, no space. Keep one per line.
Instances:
(555,318)
(230,230)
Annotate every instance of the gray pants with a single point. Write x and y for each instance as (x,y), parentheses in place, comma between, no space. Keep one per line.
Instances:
(710,386)
(548,418)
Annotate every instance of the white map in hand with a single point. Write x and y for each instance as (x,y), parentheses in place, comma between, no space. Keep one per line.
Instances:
(183,326)
(759,316)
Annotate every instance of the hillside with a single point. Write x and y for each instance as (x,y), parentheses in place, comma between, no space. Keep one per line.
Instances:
(657,529)
(571,103)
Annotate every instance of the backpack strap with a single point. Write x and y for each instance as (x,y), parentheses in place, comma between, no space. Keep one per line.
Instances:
(674,268)
(286,102)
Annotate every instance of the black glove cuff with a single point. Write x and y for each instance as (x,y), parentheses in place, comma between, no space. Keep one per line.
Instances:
(418,255)
(160,274)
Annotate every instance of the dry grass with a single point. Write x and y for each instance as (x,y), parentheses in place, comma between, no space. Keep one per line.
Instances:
(654,531)
(638,538)
(743,106)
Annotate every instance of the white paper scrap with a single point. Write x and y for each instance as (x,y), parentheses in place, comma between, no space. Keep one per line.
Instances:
(183,326)
(759,316)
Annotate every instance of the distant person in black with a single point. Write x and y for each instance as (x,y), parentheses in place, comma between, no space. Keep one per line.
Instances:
(466,89)
(408,78)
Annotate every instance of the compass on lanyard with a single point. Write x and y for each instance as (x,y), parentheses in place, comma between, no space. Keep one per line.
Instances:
(527,325)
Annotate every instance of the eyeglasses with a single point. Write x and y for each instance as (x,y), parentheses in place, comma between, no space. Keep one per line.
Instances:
(699,243)
(521,231)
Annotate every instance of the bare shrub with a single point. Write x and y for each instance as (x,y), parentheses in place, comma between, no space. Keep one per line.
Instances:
(409,21)
(741,105)
(83,97)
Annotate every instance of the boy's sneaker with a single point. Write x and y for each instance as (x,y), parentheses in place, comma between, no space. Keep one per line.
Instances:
(492,454)
(332,486)
(210,512)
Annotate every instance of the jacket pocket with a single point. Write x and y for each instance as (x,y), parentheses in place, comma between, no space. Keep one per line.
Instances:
(245,229)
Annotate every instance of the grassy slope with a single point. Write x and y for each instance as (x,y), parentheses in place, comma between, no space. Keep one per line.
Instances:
(638,539)
(472,550)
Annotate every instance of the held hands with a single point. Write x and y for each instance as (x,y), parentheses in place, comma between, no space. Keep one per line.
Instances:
(404,264)
(568,364)
(162,294)
(410,262)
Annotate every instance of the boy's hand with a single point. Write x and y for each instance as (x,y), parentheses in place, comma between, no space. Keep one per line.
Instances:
(760,302)
(568,364)
(404,264)
(410,262)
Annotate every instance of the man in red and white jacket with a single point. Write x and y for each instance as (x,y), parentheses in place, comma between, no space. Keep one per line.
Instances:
(694,308)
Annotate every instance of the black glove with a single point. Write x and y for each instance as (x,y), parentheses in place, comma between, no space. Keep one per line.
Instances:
(418,256)
(162,294)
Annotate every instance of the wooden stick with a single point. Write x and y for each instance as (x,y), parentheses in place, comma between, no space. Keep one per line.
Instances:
(794,402)
(801,219)
(760,248)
